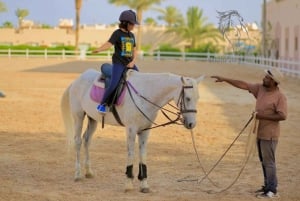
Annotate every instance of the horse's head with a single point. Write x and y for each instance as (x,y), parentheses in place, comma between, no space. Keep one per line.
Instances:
(187,101)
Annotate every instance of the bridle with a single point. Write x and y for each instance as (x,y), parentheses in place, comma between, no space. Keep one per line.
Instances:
(181,100)
(181,103)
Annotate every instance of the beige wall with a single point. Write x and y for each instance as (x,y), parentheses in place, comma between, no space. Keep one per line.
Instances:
(48,37)
(284,17)
(93,37)
(152,36)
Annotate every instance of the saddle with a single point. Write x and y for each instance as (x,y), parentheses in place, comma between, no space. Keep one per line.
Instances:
(117,97)
(102,82)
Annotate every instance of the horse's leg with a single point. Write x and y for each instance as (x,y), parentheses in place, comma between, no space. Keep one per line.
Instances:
(91,127)
(131,134)
(78,122)
(143,138)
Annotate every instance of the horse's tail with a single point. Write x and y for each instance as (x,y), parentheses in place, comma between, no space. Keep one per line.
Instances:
(67,116)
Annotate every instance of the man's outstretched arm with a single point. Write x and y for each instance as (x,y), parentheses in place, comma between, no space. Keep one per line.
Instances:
(236,83)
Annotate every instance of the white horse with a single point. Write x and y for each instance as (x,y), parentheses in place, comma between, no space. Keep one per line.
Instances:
(146,94)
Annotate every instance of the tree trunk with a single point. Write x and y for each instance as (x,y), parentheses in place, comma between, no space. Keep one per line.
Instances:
(139,33)
(264,28)
(78,4)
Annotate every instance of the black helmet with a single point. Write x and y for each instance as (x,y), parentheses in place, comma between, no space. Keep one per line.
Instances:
(129,16)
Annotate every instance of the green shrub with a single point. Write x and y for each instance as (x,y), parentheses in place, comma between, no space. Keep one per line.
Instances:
(205,48)
(167,50)
(22,48)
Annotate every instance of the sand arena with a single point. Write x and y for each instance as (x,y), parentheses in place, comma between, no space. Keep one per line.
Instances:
(35,164)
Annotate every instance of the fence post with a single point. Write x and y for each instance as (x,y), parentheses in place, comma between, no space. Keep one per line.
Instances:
(63,54)
(140,54)
(27,53)
(83,49)
(45,54)
(9,53)
(183,56)
(108,54)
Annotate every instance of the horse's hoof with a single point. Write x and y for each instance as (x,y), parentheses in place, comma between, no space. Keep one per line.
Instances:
(77,179)
(128,185)
(89,175)
(145,190)
(128,190)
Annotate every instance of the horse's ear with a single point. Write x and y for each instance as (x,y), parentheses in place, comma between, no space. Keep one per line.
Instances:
(199,79)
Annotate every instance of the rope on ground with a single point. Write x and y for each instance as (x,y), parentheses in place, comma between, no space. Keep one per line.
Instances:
(249,150)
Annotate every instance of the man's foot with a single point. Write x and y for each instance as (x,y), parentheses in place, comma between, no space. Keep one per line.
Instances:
(101,109)
(261,190)
(268,194)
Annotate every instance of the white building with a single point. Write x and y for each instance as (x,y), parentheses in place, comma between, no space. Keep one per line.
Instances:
(65,23)
(283,16)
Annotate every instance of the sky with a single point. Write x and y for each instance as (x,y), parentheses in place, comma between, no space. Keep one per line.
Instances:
(101,12)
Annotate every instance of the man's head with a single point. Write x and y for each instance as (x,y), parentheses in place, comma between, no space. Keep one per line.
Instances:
(272,75)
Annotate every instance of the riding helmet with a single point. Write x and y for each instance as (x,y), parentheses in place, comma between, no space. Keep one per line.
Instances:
(128,16)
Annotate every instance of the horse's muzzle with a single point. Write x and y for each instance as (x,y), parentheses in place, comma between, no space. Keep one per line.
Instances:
(188,125)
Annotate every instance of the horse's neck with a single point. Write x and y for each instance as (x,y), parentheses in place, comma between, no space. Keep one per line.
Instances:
(160,88)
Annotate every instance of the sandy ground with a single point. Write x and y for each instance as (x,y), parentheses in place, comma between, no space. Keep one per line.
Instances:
(35,164)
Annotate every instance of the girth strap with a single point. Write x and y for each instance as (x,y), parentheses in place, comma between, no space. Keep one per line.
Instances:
(116,115)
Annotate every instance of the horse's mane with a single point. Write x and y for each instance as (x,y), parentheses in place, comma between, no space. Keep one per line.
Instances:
(139,73)
(151,77)
(146,76)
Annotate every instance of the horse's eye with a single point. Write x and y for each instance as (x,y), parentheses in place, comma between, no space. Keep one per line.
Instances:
(187,99)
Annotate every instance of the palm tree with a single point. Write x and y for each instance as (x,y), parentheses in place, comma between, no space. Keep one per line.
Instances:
(195,29)
(78,4)
(150,21)
(171,15)
(21,14)
(2,7)
(140,6)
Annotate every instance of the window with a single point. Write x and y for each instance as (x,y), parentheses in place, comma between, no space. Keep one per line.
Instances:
(287,39)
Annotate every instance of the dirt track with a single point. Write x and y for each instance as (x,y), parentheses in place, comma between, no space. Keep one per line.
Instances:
(35,163)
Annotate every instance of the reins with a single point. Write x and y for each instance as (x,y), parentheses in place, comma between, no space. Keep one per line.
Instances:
(162,109)
(199,181)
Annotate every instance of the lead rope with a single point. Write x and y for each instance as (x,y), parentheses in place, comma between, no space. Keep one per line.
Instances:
(248,154)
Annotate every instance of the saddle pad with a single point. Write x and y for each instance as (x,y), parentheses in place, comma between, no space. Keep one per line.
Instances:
(97,92)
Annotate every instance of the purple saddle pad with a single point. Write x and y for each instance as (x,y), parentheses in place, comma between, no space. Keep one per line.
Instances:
(97,92)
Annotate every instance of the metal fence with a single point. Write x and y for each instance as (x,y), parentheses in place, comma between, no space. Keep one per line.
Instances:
(290,68)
